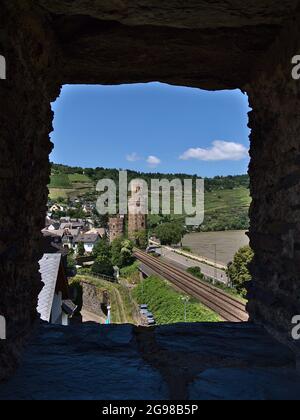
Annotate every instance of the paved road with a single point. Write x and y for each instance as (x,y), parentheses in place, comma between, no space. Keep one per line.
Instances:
(183,262)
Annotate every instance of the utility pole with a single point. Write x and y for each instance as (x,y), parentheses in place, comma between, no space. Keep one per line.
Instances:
(216,271)
(142,281)
(185,300)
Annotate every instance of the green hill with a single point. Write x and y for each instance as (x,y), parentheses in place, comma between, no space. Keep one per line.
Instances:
(65,186)
(227,210)
(227,199)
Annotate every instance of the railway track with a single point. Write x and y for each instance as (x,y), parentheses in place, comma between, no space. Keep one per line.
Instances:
(229,308)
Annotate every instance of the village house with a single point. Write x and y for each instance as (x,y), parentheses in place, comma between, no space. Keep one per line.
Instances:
(65,219)
(69,236)
(56,207)
(102,232)
(67,230)
(54,304)
(89,241)
(73,225)
(88,208)
(66,236)
(52,225)
(82,224)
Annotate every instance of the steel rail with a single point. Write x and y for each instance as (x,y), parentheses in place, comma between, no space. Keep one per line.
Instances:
(227,307)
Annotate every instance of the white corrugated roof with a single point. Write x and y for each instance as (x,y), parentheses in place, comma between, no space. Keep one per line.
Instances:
(49,267)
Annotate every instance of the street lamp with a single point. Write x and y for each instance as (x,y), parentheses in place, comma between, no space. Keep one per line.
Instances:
(185,299)
(108,320)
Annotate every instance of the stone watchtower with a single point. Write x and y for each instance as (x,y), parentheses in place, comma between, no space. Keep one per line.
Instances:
(137,212)
(116,227)
(136,223)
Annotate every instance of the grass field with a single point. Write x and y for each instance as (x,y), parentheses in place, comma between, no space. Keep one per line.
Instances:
(226,210)
(167,305)
(60,181)
(79,178)
(69,186)
(56,193)
(227,199)
(226,244)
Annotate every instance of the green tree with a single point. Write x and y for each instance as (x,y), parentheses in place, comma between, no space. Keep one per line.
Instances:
(101,221)
(80,249)
(71,264)
(238,270)
(102,248)
(116,247)
(141,239)
(76,214)
(103,266)
(122,252)
(169,233)
(154,220)
(126,256)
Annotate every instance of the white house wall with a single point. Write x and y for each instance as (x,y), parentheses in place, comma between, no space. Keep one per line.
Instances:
(56,314)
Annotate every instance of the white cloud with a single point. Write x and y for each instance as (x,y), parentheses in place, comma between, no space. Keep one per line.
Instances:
(153,161)
(133,157)
(220,150)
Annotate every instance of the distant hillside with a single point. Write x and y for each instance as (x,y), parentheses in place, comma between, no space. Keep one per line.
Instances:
(64,177)
(67,185)
(227,198)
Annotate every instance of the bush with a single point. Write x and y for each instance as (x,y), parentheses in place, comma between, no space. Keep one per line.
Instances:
(186,249)
(131,273)
(196,271)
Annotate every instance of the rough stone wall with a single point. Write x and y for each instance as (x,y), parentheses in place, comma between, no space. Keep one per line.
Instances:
(137,210)
(200,43)
(25,120)
(275,188)
(116,228)
(136,223)
(92,299)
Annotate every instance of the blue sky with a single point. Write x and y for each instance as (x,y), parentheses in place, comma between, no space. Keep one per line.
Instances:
(152,127)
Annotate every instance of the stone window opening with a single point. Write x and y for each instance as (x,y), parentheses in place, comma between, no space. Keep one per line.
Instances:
(59,109)
(212,48)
